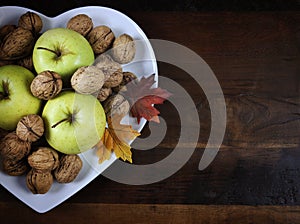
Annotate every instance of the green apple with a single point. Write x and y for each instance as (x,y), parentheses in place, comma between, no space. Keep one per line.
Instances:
(63,51)
(74,122)
(16,99)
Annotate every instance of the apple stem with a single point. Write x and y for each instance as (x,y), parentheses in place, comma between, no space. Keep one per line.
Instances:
(57,53)
(5,93)
(69,119)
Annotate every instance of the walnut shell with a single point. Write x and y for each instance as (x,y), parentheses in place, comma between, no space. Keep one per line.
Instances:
(12,147)
(39,182)
(3,133)
(30,128)
(123,49)
(116,104)
(107,65)
(87,80)
(100,38)
(17,44)
(26,63)
(15,167)
(44,159)
(46,85)
(69,168)
(114,79)
(31,21)
(6,29)
(6,62)
(104,93)
(81,23)
(127,78)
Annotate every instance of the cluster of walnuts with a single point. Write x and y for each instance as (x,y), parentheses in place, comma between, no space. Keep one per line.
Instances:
(17,41)
(25,151)
(20,155)
(106,78)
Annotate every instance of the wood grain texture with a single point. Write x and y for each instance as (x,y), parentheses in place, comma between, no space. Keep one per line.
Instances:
(155,213)
(255,177)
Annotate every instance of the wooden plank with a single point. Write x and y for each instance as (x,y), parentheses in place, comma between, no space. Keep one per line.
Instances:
(151,213)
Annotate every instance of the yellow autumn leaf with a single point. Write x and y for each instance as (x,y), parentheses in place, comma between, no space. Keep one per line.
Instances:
(116,139)
(123,132)
(102,152)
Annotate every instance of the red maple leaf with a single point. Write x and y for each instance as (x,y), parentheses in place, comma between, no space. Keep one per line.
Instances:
(142,97)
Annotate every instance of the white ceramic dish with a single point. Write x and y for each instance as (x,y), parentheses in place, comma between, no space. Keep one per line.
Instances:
(144,64)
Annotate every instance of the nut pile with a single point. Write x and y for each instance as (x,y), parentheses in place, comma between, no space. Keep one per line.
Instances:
(42,165)
(17,41)
(106,77)
(25,151)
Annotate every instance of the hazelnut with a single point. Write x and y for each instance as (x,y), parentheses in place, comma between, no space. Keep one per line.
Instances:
(39,182)
(80,23)
(15,167)
(107,65)
(13,147)
(100,38)
(44,159)
(127,78)
(30,128)
(6,29)
(17,44)
(46,85)
(69,168)
(87,80)
(116,104)
(104,93)
(123,49)
(31,21)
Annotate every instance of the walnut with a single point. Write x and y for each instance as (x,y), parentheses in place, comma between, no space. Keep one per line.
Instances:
(31,21)
(116,104)
(81,23)
(69,168)
(104,93)
(30,128)
(100,38)
(44,159)
(17,44)
(87,79)
(6,62)
(3,133)
(6,29)
(127,78)
(114,79)
(107,65)
(26,63)
(12,147)
(46,85)
(39,182)
(15,167)
(123,49)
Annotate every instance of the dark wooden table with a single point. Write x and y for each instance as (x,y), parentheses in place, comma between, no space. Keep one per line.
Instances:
(255,177)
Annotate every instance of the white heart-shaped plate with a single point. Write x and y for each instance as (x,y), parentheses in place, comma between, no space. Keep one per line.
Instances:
(144,64)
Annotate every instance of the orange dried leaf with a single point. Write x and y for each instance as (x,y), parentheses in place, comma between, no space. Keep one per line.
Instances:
(116,138)
(102,152)
(123,132)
